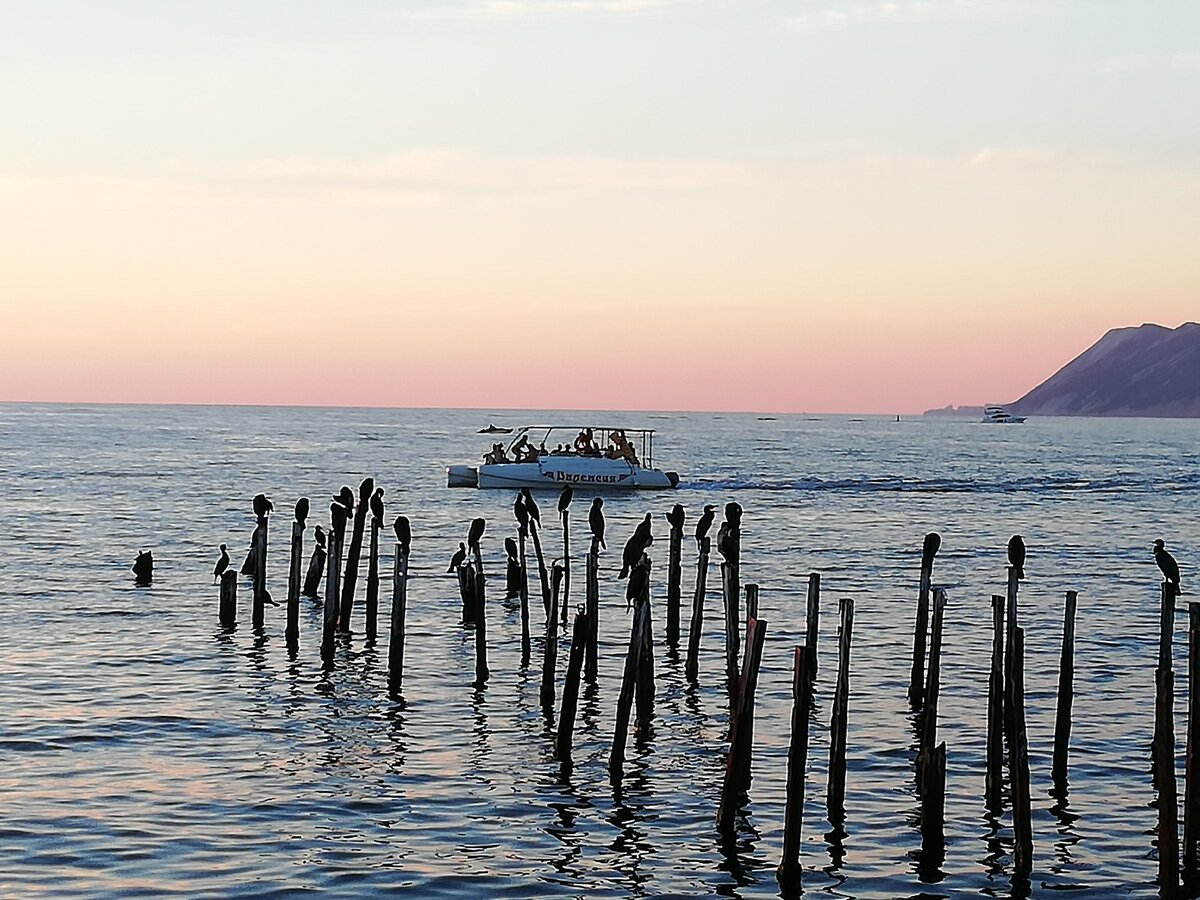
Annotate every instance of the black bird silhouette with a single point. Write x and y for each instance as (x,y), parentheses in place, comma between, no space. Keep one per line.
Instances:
(725,543)
(521,511)
(510,547)
(933,541)
(1166,562)
(676,517)
(302,510)
(319,534)
(143,568)
(1016,554)
(377,505)
(531,505)
(638,576)
(704,523)
(403,532)
(222,564)
(475,533)
(564,499)
(733,514)
(365,490)
(596,521)
(346,497)
(338,514)
(636,546)
(458,558)
(262,506)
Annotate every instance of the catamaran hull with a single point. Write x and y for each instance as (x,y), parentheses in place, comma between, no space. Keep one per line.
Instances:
(556,472)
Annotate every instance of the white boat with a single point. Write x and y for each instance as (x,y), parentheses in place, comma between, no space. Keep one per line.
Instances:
(1001,416)
(601,458)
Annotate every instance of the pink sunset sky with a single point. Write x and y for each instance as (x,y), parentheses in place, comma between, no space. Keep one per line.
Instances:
(614,204)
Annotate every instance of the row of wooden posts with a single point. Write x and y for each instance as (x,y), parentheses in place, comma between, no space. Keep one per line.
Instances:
(1007,745)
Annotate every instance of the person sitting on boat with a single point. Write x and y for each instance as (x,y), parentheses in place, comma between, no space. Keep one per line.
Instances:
(624,449)
(523,451)
(496,455)
(585,445)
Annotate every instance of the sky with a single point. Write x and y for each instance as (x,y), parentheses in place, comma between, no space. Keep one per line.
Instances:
(589,204)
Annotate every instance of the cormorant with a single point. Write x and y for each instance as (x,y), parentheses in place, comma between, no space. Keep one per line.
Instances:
(403,532)
(302,510)
(1016,554)
(636,546)
(346,497)
(262,506)
(725,544)
(475,532)
(929,550)
(676,516)
(143,568)
(704,523)
(458,558)
(638,576)
(564,499)
(733,514)
(596,521)
(222,564)
(531,505)
(338,514)
(377,505)
(510,547)
(1166,562)
(520,511)
(319,534)
(365,490)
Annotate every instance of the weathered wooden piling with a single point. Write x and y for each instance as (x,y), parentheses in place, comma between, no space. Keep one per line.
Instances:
(645,672)
(526,649)
(592,608)
(1018,759)
(616,757)
(482,672)
(372,605)
(1166,620)
(1168,798)
(316,567)
(741,729)
(333,586)
(564,515)
(260,572)
(994,783)
(751,602)
(1066,692)
(674,576)
(543,574)
(1191,768)
(570,698)
(916,681)
(931,759)
(696,625)
(933,676)
(729,592)
(228,609)
(793,821)
(1010,622)
(550,646)
(365,490)
(835,797)
(465,574)
(399,612)
(812,623)
(292,631)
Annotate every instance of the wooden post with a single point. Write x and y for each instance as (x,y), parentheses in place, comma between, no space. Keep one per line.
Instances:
(1018,760)
(932,688)
(741,731)
(645,672)
(674,583)
(1010,625)
(916,687)
(228,612)
(333,585)
(466,592)
(1164,761)
(260,572)
(933,802)
(836,788)
(399,609)
(994,789)
(292,632)
(373,582)
(525,644)
(931,759)
(482,672)
(1191,769)
(570,697)
(543,576)
(692,667)
(616,758)
(1166,626)
(729,588)
(565,600)
(550,647)
(1066,692)
(751,602)
(812,623)
(365,490)
(592,608)
(793,821)
(316,568)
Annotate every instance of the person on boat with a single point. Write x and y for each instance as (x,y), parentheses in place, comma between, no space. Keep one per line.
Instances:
(496,456)
(624,449)
(585,445)
(523,451)
(542,451)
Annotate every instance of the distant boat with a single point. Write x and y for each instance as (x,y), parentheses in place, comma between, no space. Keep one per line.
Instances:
(1001,416)
(494,429)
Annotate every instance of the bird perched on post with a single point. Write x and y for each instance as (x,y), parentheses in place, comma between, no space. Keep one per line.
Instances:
(639,575)
(262,506)
(458,558)
(704,523)
(377,506)
(676,517)
(319,534)
(1166,562)
(302,510)
(510,549)
(933,541)
(365,490)
(596,521)
(403,532)
(733,514)
(1016,554)
(222,564)
(338,514)
(521,512)
(725,545)
(346,497)
(564,499)
(636,546)
(532,507)
(475,532)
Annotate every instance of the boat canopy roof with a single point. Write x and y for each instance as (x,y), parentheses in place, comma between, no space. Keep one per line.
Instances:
(526,428)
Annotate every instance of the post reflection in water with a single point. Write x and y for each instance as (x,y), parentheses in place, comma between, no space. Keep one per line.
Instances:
(631,796)
(737,851)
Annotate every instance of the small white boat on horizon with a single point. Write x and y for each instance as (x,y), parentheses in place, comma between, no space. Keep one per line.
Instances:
(999,415)
(602,458)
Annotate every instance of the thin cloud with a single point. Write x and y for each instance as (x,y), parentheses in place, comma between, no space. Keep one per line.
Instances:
(847,14)
(492,10)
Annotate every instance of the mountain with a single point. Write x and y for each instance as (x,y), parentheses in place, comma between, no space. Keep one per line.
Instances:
(1145,371)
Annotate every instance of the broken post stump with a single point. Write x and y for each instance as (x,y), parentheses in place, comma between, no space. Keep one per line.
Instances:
(570,697)
(372,607)
(316,567)
(228,609)
(741,731)
(292,631)
(616,757)
(812,623)
(696,625)
(835,796)
(916,681)
(793,821)
(1066,692)
(399,611)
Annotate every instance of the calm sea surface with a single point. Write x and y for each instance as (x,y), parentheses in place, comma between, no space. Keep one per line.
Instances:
(145,751)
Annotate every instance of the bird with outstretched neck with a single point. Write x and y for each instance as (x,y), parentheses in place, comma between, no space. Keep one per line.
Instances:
(1167,565)
(459,557)
(636,546)
(704,523)
(222,565)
